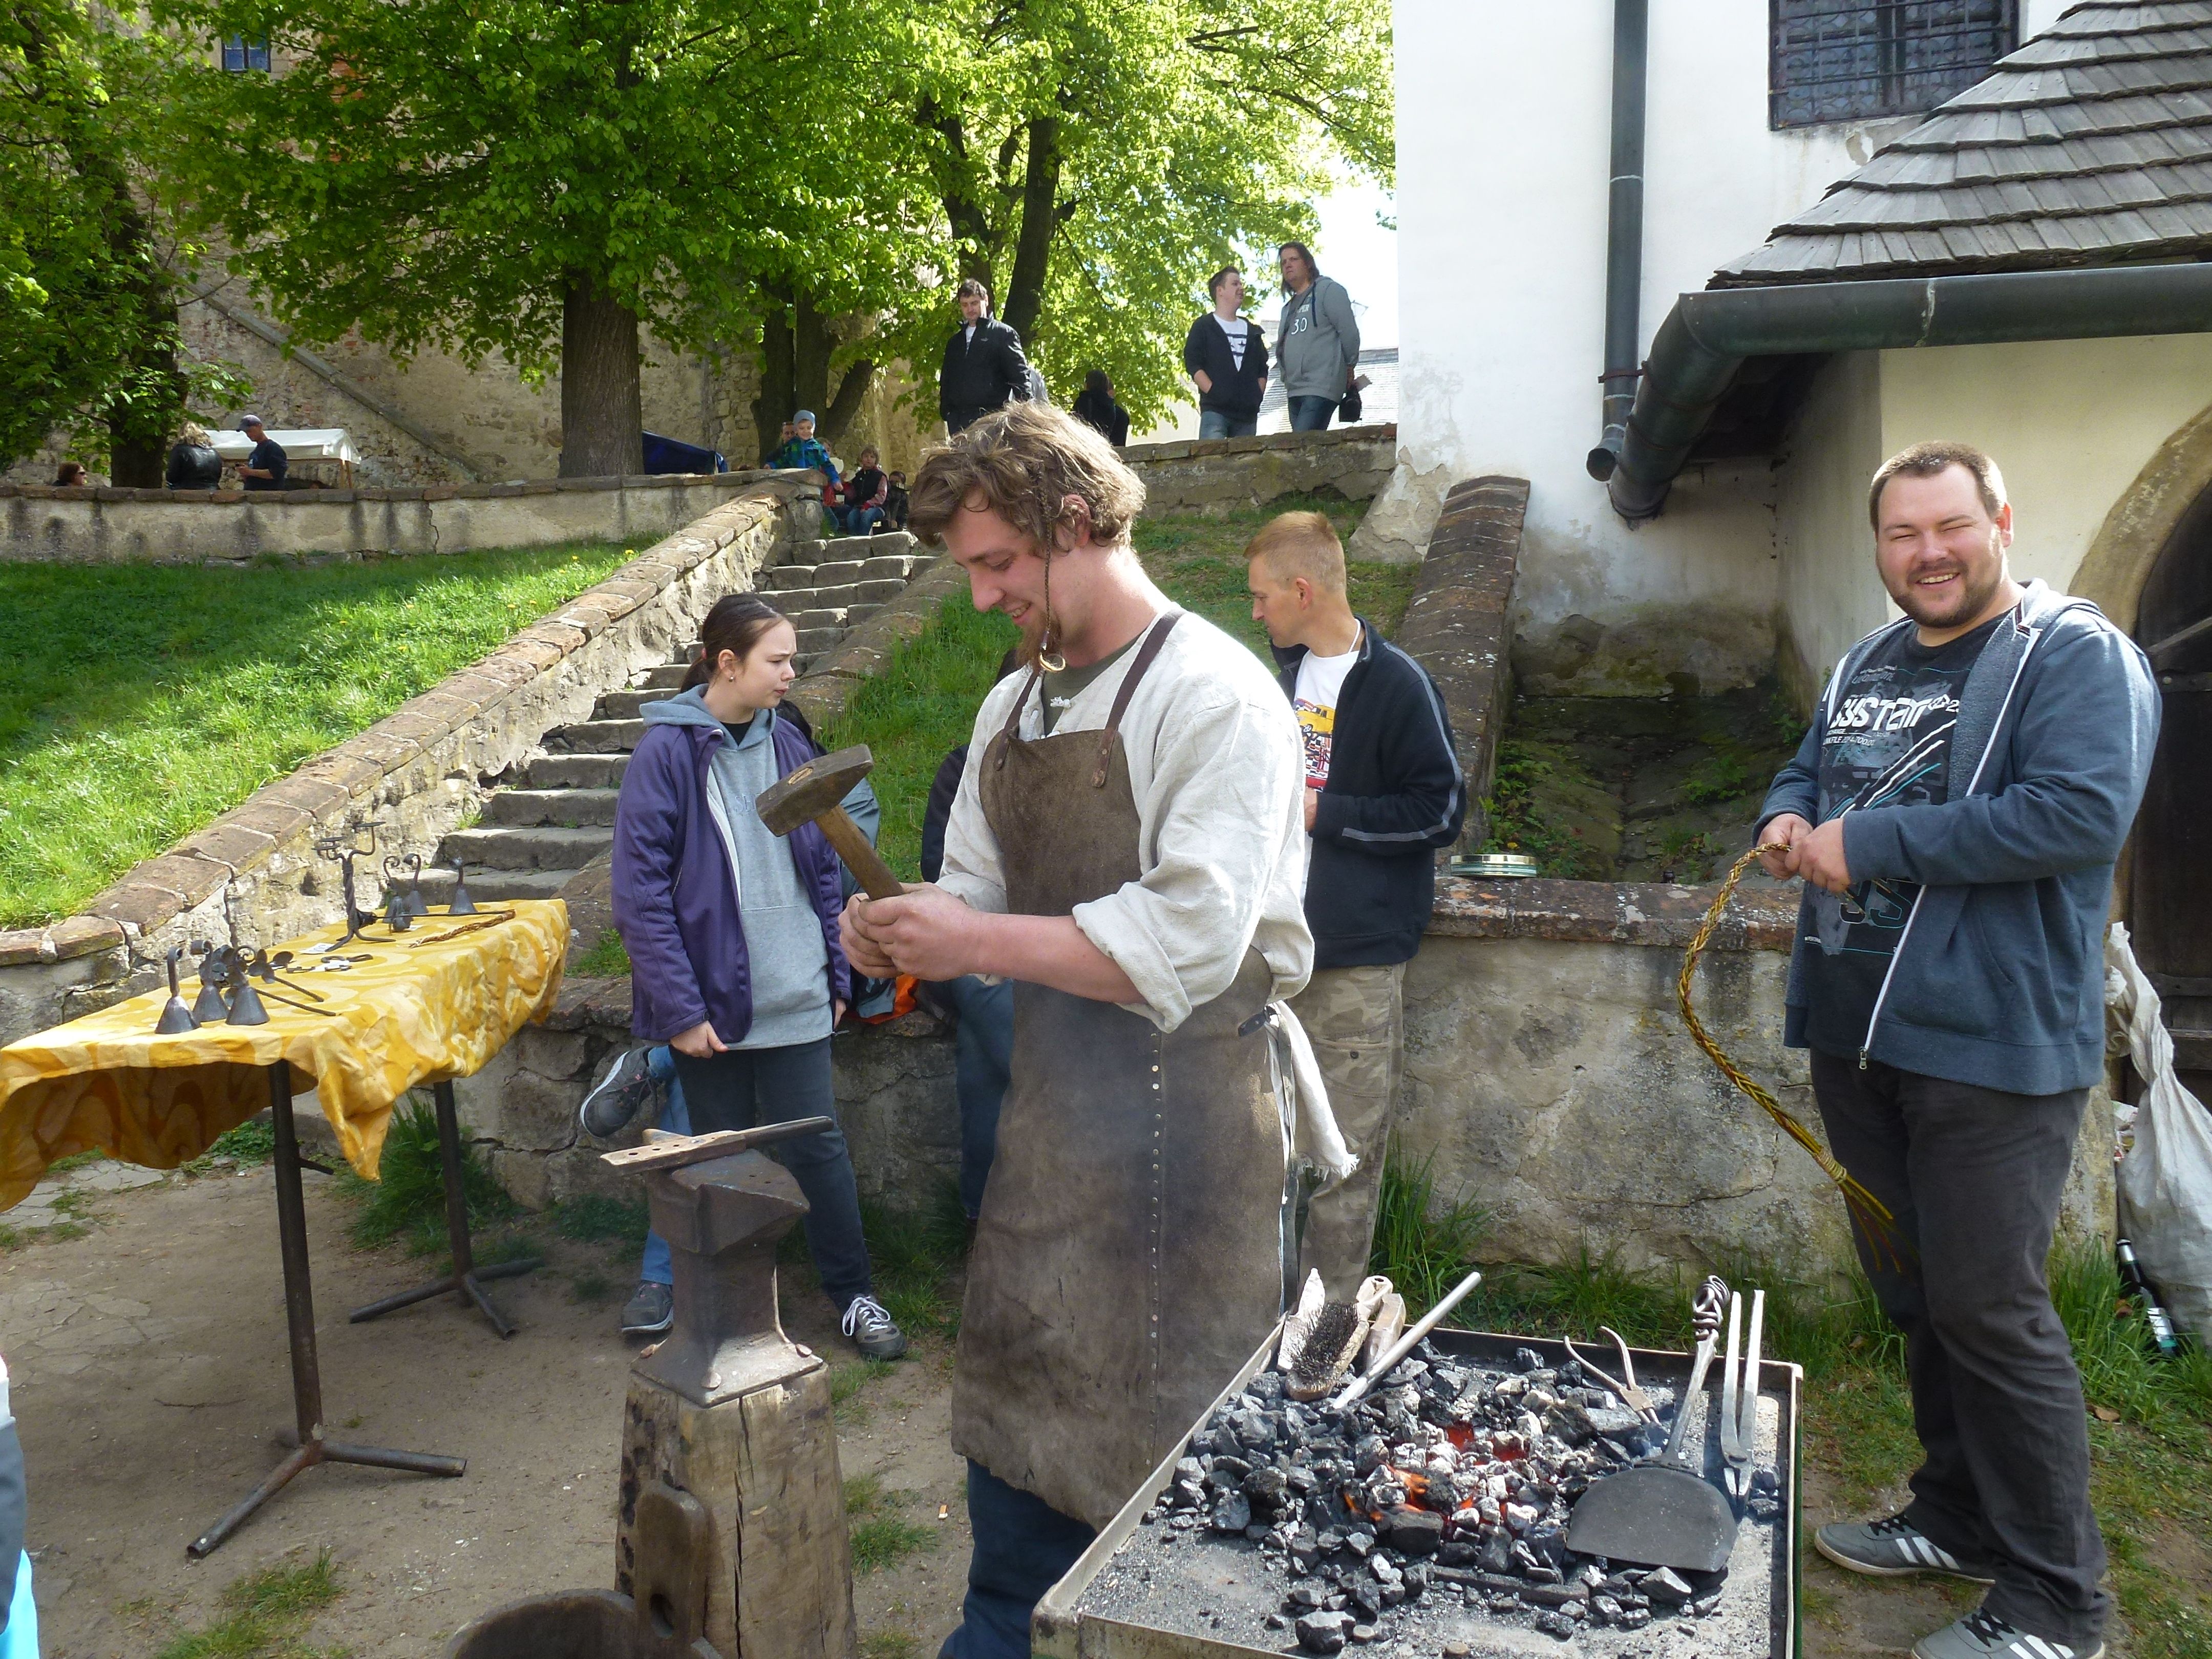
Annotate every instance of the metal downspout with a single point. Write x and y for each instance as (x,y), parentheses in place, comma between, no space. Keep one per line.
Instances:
(1707,336)
(1624,233)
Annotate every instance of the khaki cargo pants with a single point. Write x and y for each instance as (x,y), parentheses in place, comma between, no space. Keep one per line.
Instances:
(1355,1020)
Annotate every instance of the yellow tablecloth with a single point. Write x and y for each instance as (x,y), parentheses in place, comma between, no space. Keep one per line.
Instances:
(416,1013)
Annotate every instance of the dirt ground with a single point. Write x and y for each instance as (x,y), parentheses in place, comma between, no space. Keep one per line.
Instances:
(148,1360)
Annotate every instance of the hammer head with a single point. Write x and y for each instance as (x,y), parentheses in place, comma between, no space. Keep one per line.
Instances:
(811,790)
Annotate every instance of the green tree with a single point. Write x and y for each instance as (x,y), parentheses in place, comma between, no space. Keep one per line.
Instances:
(1094,162)
(542,179)
(89,267)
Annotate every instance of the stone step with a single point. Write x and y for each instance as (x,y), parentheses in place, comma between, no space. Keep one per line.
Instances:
(830,572)
(885,543)
(573,771)
(498,847)
(782,578)
(596,738)
(669,675)
(572,808)
(625,705)
(901,565)
(858,613)
(803,620)
(487,885)
(813,641)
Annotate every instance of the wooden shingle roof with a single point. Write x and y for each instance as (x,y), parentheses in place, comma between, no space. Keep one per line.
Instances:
(2092,144)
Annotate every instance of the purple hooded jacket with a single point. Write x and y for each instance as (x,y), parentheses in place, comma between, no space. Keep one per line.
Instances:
(674,902)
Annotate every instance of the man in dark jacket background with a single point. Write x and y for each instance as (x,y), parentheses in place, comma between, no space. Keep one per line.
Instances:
(1226,358)
(1383,794)
(984,368)
(1955,811)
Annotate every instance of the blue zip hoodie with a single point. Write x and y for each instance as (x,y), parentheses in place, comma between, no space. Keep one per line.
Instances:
(1998,976)
(705,903)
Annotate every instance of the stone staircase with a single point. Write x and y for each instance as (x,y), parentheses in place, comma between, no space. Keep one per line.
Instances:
(556,812)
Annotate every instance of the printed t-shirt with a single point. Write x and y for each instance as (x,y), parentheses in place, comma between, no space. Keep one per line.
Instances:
(1889,745)
(1239,332)
(1321,681)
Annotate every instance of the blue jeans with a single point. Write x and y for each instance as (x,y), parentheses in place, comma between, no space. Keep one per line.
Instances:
(676,1118)
(858,521)
(983,1066)
(1213,424)
(1311,414)
(1022,1546)
(740,1088)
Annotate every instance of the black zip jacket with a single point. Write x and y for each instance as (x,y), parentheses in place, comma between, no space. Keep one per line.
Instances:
(1394,796)
(983,375)
(1236,391)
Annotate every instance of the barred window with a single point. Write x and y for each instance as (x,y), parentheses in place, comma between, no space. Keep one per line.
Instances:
(240,54)
(1848,60)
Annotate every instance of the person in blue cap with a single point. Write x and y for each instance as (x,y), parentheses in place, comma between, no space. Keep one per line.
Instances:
(265,467)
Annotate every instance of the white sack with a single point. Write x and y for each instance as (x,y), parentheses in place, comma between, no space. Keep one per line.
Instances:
(2166,1178)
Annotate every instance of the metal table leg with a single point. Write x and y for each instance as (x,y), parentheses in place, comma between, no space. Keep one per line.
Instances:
(300,1320)
(467,1278)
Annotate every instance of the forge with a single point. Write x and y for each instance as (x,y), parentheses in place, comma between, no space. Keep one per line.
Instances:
(1429,1521)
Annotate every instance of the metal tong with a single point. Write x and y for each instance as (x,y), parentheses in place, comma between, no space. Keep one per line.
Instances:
(1739,1397)
(1624,1384)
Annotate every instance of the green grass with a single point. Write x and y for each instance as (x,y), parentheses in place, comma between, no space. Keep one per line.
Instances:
(138,702)
(880,1536)
(264,1614)
(594,1220)
(923,704)
(608,958)
(251,1142)
(914,1253)
(2150,1464)
(408,1197)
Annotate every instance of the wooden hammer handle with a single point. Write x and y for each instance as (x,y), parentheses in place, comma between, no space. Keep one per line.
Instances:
(861,859)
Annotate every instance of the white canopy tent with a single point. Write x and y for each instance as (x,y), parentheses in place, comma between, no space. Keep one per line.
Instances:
(308,443)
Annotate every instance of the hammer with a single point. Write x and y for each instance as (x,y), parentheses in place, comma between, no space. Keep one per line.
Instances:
(816,792)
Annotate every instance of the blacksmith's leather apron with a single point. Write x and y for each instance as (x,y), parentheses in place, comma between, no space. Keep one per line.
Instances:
(1128,1259)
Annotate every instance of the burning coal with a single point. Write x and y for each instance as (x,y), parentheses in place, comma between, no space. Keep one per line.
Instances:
(1448,1481)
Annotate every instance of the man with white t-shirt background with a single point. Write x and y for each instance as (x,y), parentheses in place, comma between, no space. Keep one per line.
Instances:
(1227,358)
(1383,794)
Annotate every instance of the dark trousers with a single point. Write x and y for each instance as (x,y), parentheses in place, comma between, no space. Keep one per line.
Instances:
(1974,1177)
(742,1087)
(1023,1548)
(983,1066)
(1309,414)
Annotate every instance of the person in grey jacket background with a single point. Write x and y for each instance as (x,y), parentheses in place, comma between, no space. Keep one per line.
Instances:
(1956,811)
(1318,341)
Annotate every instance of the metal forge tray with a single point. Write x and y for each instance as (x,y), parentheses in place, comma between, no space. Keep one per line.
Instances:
(1197,1596)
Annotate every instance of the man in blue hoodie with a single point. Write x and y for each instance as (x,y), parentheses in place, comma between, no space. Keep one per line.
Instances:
(1955,811)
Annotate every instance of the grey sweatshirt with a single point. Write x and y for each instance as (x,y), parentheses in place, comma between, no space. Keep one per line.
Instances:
(783,936)
(1318,341)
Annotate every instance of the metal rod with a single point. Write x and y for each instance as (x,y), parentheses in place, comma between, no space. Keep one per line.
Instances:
(466,1281)
(1404,1345)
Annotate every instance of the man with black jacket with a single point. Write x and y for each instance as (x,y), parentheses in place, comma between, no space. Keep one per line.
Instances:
(1383,793)
(1224,354)
(984,368)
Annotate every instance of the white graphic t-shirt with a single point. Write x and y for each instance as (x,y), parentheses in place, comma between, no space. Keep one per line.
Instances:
(1321,681)
(1238,331)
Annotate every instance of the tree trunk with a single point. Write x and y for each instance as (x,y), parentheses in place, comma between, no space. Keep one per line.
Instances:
(601,416)
(138,431)
(852,392)
(1040,218)
(778,395)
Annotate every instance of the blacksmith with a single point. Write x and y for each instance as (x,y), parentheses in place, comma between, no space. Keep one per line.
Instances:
(1955,811)
(1128,845)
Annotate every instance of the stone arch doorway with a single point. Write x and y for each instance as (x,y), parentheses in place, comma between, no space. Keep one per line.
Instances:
(2155,573)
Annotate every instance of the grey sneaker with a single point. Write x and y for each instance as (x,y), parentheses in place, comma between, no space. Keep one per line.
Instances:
(1982,1635)
(871,1330)
(618,1096)
(650,1310)
(1894,1548)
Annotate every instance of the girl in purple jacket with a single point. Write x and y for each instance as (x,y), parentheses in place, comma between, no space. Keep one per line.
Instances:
(732,931)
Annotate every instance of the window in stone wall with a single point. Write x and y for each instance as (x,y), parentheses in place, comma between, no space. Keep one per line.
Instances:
(240,54)
(1856,60)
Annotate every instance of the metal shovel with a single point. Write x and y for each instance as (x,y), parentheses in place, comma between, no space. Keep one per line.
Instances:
(1664,1513)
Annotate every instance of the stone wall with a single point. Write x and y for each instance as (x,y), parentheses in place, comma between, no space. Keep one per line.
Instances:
(414,774)
(1220,475)
(105,525)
